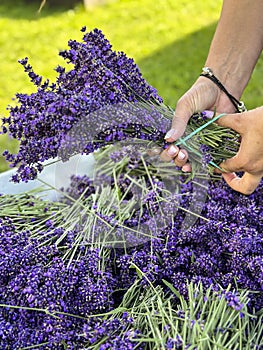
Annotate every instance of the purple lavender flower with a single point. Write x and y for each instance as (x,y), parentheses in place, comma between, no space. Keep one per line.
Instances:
(174,343)
(233,300)
(95,104)
(206,154)
(80,186)
(220,252)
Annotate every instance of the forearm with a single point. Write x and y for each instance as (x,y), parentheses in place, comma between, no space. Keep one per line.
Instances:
(237,43)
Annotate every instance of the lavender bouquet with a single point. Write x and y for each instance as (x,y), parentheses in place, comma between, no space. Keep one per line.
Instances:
(135,257)
(103,99)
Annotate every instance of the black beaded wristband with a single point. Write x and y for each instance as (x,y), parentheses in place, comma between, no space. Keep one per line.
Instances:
(208,73)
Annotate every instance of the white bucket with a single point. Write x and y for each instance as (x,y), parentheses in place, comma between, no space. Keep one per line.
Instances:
(55,175)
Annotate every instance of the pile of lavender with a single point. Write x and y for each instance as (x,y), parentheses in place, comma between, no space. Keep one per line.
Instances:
(61,288)
(139,256)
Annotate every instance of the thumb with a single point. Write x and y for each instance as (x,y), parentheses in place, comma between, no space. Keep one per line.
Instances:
(182,115)
(202,95)
(245,184)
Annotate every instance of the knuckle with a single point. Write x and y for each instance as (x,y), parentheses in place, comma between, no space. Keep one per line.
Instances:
(250,167)
(248,190)
(238,120)
(240,164)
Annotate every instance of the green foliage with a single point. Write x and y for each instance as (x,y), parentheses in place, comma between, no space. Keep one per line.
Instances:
(168,39)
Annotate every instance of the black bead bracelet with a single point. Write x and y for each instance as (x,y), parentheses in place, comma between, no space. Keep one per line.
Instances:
(208,73)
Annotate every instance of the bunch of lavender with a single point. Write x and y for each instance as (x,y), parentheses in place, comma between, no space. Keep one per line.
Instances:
(223,248)
(105,211)
(101,100)
(223,243)
(99,240)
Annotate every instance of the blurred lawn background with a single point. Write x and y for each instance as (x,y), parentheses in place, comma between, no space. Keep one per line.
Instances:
(168,39)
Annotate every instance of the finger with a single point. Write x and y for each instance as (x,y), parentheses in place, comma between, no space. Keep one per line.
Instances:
(154,151)
(233,121)
(177,130)
(230,165)
(208,113)
(245,184)
(187,168)
(181,159)
(169,153)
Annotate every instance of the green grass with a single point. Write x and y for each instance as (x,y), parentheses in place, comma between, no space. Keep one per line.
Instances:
(168,40)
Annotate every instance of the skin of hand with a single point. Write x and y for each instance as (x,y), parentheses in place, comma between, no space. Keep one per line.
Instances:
(249,158)
(234,51)
(204,94)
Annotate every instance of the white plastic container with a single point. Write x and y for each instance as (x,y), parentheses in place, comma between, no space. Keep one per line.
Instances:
(55,175)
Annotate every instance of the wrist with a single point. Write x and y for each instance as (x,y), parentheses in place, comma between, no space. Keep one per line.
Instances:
(208,73)
(233,76)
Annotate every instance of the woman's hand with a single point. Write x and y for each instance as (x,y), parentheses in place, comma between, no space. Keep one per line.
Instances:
(203,95)
(249,158)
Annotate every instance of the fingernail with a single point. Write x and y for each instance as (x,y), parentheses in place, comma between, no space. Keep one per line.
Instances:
(208,114)
(186,168)
(181,155)
(170,133)
(156,150)
(172,151)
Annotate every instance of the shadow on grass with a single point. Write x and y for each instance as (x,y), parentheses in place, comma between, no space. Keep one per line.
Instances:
(174,68)
(28,9)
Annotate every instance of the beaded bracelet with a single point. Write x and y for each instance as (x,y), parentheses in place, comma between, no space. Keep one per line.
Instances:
(208,73)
